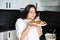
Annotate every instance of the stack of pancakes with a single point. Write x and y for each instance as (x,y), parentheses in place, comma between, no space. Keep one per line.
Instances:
(39,22)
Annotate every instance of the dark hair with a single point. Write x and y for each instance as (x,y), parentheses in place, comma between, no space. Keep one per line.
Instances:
(26,11)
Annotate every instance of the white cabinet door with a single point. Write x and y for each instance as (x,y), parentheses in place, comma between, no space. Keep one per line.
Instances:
(3,4)
(12,35)
(24,3)
(1,36)
(9,4)
(13,4)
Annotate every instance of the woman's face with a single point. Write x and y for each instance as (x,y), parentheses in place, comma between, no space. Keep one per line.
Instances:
(32,13)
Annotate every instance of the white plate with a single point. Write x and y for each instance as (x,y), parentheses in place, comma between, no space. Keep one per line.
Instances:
(40,24)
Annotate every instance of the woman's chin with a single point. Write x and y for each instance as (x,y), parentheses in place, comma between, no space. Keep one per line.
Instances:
(32,18)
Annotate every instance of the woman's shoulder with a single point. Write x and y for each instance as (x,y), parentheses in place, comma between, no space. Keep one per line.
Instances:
(19,20)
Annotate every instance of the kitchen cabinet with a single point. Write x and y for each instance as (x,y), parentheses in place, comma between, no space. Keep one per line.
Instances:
(8,35)
(24,3)
(9,4)
(17,4)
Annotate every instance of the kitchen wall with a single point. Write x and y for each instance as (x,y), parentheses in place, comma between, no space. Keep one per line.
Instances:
(51,5)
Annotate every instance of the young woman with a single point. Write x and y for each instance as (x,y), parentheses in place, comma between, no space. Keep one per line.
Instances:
(26,30)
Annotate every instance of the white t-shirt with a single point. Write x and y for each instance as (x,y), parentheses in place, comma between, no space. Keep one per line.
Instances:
(21,25)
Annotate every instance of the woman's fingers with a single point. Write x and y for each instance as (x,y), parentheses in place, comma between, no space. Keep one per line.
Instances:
(32,24)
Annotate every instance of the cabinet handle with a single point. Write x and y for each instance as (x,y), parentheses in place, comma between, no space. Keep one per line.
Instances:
(6,4)
(9,34)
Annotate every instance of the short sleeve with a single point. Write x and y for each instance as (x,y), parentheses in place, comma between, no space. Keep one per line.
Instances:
(19,27)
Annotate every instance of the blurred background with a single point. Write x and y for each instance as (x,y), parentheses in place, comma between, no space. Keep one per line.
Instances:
(11,10)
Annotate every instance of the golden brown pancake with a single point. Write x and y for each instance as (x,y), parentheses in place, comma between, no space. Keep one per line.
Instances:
(38,21)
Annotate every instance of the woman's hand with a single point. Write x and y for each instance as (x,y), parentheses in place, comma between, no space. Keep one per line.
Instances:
(33,24)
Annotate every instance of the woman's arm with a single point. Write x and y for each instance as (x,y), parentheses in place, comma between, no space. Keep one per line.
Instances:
(25,32)
(39,30)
